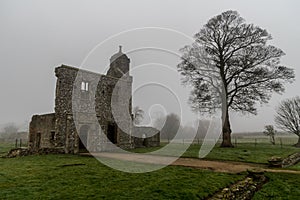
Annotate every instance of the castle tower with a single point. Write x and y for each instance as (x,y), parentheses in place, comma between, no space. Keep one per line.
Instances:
(119,64)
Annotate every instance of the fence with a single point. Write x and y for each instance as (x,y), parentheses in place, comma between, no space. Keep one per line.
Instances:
(240,140)
(19,143)
(279,140)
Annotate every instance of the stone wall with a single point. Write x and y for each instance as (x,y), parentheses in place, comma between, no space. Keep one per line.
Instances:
(84,117)
(291,160)
(42,131)
(19,152)
(63,102)
(92,107)
(244,189)
(119,64)
(146,137)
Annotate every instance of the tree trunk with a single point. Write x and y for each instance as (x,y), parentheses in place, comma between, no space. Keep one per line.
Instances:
(226,142)
(272,139)
(298,143)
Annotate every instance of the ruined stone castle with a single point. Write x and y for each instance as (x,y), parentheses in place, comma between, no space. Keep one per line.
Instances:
(84,118)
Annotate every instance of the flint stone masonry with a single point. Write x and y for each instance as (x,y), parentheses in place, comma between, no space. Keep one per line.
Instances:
(275,161)
(84,117)
(284,162)
(243,190)
(19,152)
(42,131)
(291,160)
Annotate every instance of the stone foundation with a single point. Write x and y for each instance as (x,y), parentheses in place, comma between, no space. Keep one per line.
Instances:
(291,160)
(19,152)
(244,189)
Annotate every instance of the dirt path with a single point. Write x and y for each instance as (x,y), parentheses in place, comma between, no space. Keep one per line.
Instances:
(218,166)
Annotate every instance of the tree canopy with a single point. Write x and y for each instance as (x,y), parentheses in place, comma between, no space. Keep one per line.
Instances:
(270,131)
(168,125)
(231,65)
(138,115)
(288,116)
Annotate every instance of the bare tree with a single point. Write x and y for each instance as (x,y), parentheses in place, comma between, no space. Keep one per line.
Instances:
(270,131)
(187,132)
(138,115)
(288,116)
(230,53)
(10,131)
(202,126)
(170,126)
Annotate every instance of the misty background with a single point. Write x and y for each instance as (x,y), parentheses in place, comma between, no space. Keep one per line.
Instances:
(37,36)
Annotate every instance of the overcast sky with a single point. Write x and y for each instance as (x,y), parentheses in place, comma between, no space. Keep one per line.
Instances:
(37,36)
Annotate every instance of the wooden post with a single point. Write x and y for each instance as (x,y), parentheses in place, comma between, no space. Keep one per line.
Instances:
(235,141)
(20,143)
(16,145)
(281,142)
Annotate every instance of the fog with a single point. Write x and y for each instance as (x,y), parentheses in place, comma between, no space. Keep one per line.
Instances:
(37,36)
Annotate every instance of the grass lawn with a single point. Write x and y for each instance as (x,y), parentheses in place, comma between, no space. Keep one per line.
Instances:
(56,177)
(5,147)
(280,186)
(243,152)
(47,177)
(247,152)
(295,167)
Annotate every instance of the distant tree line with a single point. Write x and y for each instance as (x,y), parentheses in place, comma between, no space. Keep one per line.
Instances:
(170,125)
(11,132)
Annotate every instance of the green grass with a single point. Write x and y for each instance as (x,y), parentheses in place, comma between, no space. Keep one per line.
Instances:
(54,177)
(5,147)
(251,153)
(46,177)
(243,152)
(280,186)
(295,167)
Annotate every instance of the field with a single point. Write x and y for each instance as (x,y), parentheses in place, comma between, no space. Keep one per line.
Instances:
(245,153)
(5,147)
(246,150)
(280,186)
(295,167)
(77,177)
(54,177)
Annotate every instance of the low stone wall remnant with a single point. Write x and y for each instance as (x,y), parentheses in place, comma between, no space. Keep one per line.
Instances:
(291,160)
(244,189)
(19,152)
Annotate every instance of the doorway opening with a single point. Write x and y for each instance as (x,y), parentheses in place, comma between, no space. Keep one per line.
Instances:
(83,138)
(112,133)
(38,140)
